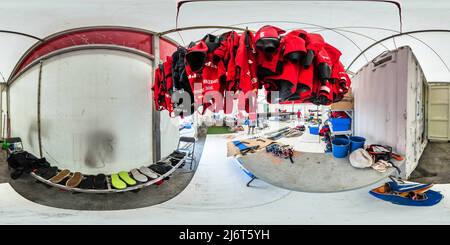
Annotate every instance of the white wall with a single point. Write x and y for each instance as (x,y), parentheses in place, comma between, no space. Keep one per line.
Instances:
(4,110)
(96,111)
(23,110)
(170,133)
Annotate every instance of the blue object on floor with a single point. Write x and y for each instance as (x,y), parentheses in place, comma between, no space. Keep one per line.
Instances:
(244,170)
(340,147)
(399,187)
(432,198)
(340,124)
(314,130)
(240,145)
(356,142)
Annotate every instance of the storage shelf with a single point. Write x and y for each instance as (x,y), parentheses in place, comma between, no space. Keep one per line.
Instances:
(110,189)
(348,132)
(350,114)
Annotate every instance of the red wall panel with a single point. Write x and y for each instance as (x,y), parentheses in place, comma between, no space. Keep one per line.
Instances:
(166,48)
(127,38)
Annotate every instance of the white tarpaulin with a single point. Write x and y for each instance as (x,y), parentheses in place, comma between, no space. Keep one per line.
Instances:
(361,22)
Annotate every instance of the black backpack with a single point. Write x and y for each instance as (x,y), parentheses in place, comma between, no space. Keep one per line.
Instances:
(24,162)
(380,152)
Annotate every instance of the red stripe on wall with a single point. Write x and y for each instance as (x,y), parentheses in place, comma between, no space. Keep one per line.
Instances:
(127,38)
(166,48)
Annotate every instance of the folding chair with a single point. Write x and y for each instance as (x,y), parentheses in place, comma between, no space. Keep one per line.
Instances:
(190,142)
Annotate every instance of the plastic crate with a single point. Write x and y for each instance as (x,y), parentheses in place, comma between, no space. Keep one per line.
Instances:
(314,130)
(340,124)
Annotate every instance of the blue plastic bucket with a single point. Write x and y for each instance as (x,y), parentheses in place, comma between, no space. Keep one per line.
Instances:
(314,130)
(340,147)
(340,124)
(356,142)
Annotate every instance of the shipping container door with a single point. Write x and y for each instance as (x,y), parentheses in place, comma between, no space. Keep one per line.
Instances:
(380,101)
(438,111)
(416,119)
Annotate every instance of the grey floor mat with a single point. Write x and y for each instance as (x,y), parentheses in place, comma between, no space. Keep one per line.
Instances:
(312,172)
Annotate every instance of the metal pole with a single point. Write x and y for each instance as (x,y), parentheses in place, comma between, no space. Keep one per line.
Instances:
(21,34)
(8,119)
(39,108)
(156,137)
(393,36)
(201,27)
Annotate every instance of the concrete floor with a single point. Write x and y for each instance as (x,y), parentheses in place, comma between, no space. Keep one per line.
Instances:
(312,172)
(4,173)
(217,194)
(434,164)
(34,191)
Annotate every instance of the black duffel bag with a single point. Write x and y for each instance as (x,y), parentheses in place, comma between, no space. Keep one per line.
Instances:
(24,162)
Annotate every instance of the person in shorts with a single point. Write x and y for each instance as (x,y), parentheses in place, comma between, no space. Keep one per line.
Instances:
(252,122)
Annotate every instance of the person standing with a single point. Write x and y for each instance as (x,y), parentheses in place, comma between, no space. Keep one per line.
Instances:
(252,122)
(299,114)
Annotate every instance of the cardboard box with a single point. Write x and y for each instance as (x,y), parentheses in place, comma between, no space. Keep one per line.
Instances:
(232,150)
(346,102)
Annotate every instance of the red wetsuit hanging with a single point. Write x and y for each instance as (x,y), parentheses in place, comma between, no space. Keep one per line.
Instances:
(227,53)
(162,87)
(293,51)
(334,55)
(306,89)
(342,84)
(323,67)
(205,76)
(246,63)
(246,71)
(195,60)
(269,54)
(300,66)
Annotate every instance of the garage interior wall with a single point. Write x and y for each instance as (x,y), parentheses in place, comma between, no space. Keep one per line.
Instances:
(169,128)
(3,111)
(96,111)
(23,109)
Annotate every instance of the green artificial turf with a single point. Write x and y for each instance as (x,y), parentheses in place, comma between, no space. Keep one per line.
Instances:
(218,130)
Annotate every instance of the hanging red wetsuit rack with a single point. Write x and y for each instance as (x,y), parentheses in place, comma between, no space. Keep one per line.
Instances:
(298,67)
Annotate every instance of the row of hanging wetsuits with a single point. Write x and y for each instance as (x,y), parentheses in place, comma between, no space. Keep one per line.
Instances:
(300,66)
